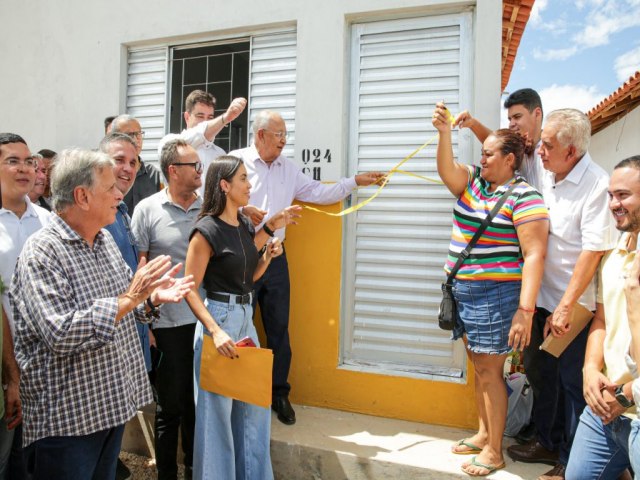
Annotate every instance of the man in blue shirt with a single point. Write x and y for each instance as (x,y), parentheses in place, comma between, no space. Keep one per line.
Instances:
(122,149)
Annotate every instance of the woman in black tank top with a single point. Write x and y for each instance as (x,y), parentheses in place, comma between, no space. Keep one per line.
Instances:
(224,257)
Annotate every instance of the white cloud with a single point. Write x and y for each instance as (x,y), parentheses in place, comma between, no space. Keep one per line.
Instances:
(535,19)
(603,19)
(627,64)
(554,54)
(582,97)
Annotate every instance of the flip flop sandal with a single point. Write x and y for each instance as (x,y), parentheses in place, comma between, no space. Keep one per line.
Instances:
(473,449)
(490,468)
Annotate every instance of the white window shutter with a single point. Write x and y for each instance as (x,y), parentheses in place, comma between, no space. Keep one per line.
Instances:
(396,246)
(146,95)
(272,80)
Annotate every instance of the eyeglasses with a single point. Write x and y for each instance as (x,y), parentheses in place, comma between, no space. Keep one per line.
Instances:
(13,163)
(278,135)
(139,134)
(197,165)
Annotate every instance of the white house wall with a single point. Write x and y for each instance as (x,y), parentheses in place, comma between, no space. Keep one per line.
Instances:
(617,142)
(64,63)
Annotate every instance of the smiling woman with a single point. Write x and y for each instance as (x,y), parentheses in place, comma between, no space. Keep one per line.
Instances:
(496,285)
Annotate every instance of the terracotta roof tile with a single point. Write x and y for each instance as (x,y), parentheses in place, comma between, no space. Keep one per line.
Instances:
(616,105)
(515,14)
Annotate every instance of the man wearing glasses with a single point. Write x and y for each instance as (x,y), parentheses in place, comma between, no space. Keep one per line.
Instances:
(148,179)
(19,219)
(161,225)
(202,126)
(276,182)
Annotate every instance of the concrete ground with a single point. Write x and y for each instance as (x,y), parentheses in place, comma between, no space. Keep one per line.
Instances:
(333,445)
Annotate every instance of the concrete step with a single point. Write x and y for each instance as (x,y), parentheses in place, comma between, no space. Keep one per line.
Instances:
(334,445)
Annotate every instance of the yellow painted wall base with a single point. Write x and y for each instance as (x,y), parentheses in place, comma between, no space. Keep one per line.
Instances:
(314,253)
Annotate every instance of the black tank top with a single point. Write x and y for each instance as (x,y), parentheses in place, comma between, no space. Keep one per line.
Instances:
(235,257)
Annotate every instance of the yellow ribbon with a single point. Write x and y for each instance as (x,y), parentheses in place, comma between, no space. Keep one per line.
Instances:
(395,169)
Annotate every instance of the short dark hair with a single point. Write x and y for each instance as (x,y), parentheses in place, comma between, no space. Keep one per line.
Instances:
(222,168)
(527,97)
(108,120)
(48,154)
(630,162)
(11,138)
(169,155)
(199,96)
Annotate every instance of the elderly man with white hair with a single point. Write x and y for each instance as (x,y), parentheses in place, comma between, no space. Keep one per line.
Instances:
(75,302)
(276,182)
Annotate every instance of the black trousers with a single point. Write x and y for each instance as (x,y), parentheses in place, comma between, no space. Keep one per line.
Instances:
(175,407)
(557,388)
(273,295)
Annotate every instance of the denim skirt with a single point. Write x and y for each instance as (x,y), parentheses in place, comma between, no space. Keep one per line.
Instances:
(485,311)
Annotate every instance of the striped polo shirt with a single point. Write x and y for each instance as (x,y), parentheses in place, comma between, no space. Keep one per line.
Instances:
(497,254)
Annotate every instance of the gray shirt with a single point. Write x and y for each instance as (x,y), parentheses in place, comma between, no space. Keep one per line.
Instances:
(162,227)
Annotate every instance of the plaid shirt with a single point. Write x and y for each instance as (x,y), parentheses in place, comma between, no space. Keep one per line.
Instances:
(80,373)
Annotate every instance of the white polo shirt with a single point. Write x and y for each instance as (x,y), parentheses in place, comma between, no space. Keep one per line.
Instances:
(14,232)
(579,220)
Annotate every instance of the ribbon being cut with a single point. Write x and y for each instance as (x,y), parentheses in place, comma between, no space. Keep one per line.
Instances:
(395,169)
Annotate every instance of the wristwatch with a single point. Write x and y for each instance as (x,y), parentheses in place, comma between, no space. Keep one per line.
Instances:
(153,312)
(622,399)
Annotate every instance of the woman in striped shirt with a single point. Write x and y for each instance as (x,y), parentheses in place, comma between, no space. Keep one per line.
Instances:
(496,287)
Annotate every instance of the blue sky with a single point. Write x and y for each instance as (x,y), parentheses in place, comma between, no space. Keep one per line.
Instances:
(576,53)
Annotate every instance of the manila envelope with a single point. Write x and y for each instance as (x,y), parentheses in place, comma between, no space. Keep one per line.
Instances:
(247,378)
(556,345)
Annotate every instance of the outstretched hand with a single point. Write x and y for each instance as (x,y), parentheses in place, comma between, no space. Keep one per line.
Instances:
(175,289)
(366,179)
(284,217)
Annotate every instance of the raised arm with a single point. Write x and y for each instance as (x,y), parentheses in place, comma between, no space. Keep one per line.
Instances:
(454,175)
(214,126)
(465,120)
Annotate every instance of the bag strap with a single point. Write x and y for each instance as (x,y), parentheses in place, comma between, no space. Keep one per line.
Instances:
(466,251)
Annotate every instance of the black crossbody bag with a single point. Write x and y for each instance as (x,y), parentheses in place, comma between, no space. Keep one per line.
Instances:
(448,308)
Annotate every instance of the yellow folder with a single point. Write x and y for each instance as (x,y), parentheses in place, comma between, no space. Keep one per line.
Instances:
(556,345)
(247,378)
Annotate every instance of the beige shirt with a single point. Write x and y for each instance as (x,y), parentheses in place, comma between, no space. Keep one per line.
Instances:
(614,266)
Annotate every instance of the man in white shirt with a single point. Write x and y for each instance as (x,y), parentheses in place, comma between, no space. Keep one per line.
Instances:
(202,126)
(574,190)
(276,182)
(19,219)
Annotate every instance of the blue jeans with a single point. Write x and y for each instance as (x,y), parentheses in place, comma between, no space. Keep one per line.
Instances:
(93,456)
(634,448)
(232,438)
(557,388)
(485,311)
(273,295)
(599,452)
